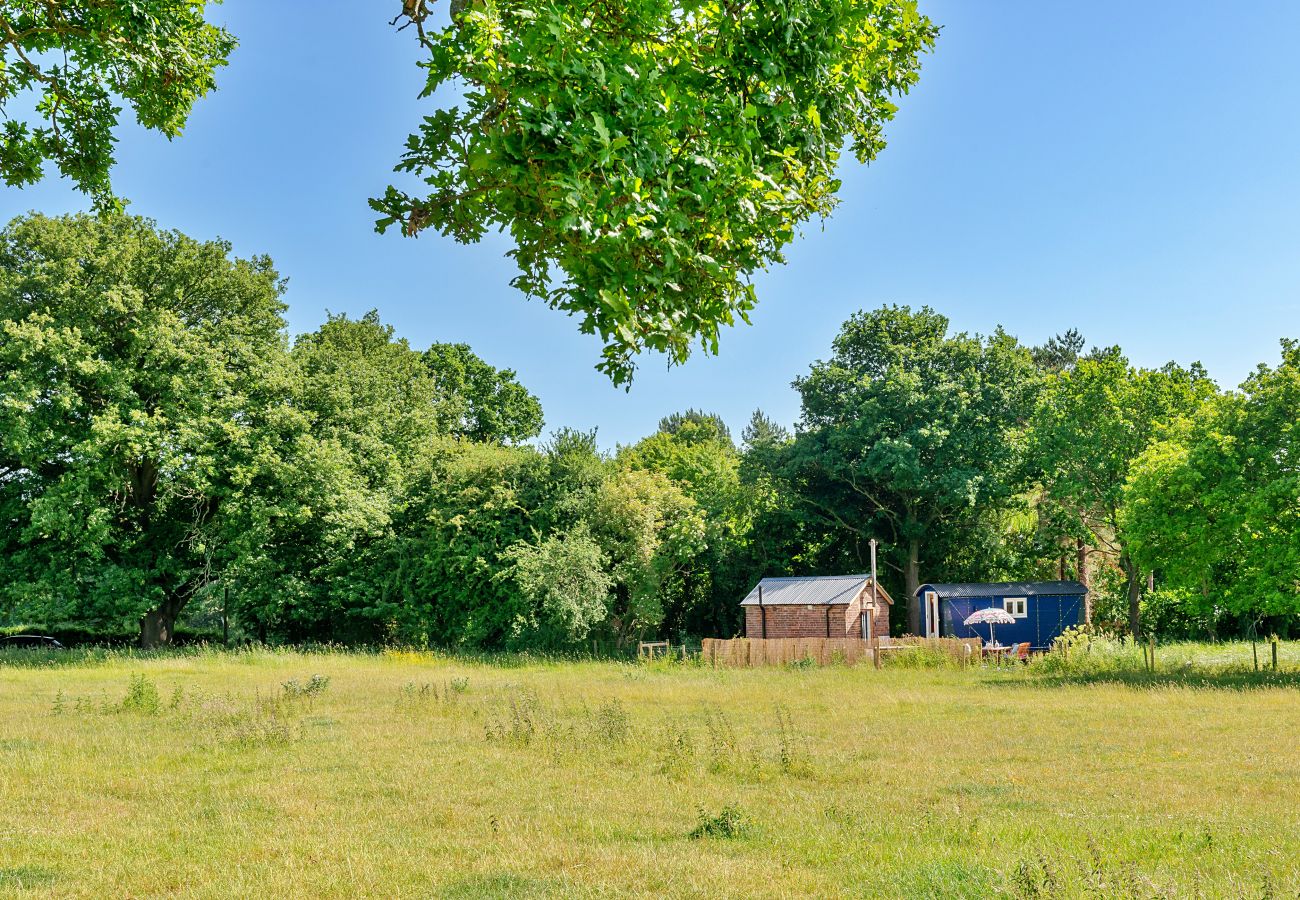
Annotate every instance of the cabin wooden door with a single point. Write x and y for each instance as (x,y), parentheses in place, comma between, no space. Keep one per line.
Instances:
(931,614)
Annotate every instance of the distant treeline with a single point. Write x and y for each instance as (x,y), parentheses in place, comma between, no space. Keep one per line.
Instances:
(170,460)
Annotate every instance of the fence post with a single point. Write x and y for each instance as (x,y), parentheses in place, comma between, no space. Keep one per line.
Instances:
(1274,642)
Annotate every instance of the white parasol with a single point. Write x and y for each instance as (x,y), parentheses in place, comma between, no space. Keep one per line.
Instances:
(991,616)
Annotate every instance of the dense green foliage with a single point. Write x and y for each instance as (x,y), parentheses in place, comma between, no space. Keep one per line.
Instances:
(1215,506)
(478,402)
(142,408)
(81,58)
(1097,416)
(909,435)
(170,460)
(647,158)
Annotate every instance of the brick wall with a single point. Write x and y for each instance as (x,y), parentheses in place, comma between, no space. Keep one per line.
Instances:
(788,621)
(879,619)
(798,621)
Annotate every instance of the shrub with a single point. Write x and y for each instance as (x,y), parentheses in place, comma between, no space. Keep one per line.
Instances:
(1083,650)
(791,751)
(924,655)
(294,689)
(141,696)
(729,823)
(611,723)
(678,751)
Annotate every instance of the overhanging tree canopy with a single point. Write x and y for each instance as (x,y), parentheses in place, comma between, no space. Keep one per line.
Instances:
(648,157)
(81,58)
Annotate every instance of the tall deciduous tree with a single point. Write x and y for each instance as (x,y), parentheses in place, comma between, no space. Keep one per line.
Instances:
(908,432)
(648,158)
(1215,506)
(369,405)
(478,402)
(142,400)
(694,451)
(1059,529)
(1093,422)
(696,426)
(368,390)
(649,528)
(81,58)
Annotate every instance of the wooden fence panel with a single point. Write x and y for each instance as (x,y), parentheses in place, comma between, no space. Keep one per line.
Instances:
(753,652)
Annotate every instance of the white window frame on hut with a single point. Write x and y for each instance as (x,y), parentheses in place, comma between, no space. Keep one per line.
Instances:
(1017,607)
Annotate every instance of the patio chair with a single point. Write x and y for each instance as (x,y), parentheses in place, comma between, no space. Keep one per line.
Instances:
(1022,652)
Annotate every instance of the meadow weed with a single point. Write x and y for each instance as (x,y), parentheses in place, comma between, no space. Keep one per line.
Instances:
(729,823)
(723,750)
(316,684)
(791,746)
(677,750)
(611,724)
(142,696)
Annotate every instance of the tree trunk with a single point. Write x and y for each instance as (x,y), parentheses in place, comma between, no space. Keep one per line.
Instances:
(158,626)
(1134,579)
(913,576)
(1081,563)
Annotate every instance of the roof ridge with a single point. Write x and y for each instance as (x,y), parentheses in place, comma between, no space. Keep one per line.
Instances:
(808,577)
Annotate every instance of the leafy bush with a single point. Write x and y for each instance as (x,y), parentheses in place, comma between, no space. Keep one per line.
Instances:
(925,655)
(611,724)
(141,696)
(1082,650)
(564,578)
(729,823)
(294,689)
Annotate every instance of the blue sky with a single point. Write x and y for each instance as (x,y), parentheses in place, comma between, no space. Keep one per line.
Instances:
(1129,169)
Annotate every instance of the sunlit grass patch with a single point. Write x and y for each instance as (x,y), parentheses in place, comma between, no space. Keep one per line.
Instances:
(425,774)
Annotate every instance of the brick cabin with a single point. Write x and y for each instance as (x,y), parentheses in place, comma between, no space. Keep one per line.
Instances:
(817,606)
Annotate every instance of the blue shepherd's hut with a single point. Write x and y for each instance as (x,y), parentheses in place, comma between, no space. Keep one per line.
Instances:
(1042,609)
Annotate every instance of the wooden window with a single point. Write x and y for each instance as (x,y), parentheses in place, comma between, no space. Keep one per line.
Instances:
(1017,606)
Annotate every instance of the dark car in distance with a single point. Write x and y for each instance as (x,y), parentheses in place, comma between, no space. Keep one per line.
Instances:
(30,641)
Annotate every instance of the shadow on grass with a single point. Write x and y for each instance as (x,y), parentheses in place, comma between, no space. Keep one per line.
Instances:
(89,656)
(1230,680)
(24,877)
(86,656)
(502,885)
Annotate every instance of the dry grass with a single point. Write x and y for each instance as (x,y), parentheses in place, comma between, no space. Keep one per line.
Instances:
(415,775)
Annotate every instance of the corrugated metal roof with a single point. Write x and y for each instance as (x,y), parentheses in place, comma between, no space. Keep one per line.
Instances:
(1007,589)
(810,589)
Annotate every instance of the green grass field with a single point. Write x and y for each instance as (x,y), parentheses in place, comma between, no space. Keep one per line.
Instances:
(215,774)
